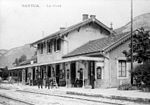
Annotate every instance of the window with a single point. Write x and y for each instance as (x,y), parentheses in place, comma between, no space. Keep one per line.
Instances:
(40,48)
(57,44)
(122,68)
(99,72)
(49,46)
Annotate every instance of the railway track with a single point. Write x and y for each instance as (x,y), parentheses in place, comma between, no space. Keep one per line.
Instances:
(55,95)
(65,97)
(72,97)
(6,100)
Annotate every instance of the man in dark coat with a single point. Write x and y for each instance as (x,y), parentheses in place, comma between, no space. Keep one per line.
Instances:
(92,81)
(39,80)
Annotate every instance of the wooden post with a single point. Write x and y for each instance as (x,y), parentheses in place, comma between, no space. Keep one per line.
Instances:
(66,74)
(131,42)
(83,79)
(83,74)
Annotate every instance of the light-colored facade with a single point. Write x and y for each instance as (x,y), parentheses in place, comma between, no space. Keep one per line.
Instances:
(71,41)
(103,68)
(115,56)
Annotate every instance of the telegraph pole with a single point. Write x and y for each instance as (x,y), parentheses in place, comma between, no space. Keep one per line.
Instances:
(131,41)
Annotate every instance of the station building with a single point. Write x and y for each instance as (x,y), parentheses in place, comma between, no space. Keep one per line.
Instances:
(81,51)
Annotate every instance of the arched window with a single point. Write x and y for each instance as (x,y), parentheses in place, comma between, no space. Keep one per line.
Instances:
(99,72)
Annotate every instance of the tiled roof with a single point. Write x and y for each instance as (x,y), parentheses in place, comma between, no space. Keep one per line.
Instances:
(73,27)
(97,45)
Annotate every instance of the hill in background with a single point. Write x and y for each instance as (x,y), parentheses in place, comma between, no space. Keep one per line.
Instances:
(3,51)
(138,22)
(9,57)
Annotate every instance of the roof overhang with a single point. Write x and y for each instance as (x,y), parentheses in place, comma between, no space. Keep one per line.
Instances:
(90,54)
(46,38)
(80,58)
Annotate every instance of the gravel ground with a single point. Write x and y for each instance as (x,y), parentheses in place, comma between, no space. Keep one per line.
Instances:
(56,97)
(39,99)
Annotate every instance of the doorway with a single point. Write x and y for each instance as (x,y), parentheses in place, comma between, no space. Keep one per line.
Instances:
(91,70)
(57,73)
(73,73)
(49,71)
(33,74)
(26,74)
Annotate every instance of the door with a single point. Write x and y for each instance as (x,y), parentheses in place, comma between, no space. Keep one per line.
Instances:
(73,73)
(33,74)
(49,71)
(91,70)
(26,74)
(57,73)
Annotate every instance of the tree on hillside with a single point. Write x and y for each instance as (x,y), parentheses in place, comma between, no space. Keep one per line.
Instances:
(19,60)
(22,58)
(141,54)
(5,73)
(141,46)
(16,62)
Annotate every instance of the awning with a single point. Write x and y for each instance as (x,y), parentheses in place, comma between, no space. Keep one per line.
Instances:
(60,61)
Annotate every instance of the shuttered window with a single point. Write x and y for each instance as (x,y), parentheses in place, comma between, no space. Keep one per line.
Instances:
(122,68)
(49,46)
(57,44)
(40,48)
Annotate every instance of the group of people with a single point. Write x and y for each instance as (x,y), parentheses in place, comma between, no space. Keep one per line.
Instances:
(79,81)
(49,82)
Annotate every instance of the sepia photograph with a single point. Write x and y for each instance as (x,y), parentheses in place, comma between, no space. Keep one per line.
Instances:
(74,52)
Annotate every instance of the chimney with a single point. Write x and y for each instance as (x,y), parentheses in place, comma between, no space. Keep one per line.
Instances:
(62,28)
(92,16)
(84,17)
(111,26)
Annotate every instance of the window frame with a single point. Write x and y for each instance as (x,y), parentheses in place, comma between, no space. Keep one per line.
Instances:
(57,44)
(126,69)
(49,46)
(122,65)
(41,48)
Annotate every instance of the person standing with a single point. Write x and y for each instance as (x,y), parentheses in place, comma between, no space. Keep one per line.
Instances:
(80,83)
(39,80)
(93,81)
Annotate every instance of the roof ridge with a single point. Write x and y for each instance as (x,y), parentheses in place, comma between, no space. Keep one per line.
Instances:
(72,27)
(54,33)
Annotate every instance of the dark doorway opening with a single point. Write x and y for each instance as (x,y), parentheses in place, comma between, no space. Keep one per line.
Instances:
(20,75)
(57,73)
(42,72)
(33,73)
(91,70)
(49,71)
(73,73)
(26,74)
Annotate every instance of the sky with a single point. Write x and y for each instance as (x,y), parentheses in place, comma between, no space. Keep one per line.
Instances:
(25,21)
